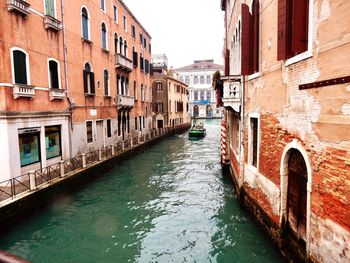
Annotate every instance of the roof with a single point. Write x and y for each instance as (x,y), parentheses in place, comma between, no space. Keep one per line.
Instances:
(202,64)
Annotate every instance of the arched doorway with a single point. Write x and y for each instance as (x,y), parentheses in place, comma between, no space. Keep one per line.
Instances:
(296,203)
(208,111)
(195,111)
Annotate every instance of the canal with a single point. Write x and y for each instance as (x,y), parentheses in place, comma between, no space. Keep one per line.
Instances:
(167,204)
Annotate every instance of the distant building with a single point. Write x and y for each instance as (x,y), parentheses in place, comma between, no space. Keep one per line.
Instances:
(202,98)
(169,96)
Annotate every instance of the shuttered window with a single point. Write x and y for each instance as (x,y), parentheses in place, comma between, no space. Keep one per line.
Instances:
(293,24)
(50,8)
(246,39)
(20,67)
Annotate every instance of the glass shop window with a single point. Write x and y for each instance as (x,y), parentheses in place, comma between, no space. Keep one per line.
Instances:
(53,141)
(29,148)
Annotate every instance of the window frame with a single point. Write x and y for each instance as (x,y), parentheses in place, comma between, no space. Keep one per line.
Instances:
(103,6)
(88,23)
(104,33)
(115,14)
(106,84)
(54,6)
(13,65)
(92,131)
(58,73)
(37,135)
(125,23)
(60,140)
(109,128)
(251,142)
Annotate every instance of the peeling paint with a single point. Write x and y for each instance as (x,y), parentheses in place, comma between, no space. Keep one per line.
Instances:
(325,11)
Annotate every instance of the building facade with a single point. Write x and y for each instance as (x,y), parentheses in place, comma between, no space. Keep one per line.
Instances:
(198,76)
(285,133)
(74,77)
(170,96)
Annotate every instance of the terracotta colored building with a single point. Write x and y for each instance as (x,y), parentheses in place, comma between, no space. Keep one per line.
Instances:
(75,76)
(286,128)
(170,97)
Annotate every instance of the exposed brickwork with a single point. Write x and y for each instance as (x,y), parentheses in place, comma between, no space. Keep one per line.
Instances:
(235,164)
(331,186)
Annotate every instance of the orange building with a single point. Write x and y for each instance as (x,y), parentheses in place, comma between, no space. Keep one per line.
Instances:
(74,77)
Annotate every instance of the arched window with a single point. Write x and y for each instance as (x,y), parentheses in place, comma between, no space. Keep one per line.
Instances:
(187,80)
(89,80)
(208,95)
(208,81)
(195,80)
(20,67)
(135,90)
(125,48)
(85,23)
(195,95)
(54,76)
(202,94)
(104,36)
(115,43)
(103,5)
(106,82)
(120,45)
(202,80)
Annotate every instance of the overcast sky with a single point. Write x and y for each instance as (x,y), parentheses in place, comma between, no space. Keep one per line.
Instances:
(184,30)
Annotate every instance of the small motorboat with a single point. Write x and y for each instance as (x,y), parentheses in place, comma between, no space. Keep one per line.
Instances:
(197,130)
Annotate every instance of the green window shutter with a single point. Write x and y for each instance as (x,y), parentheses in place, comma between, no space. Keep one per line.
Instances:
(50,8)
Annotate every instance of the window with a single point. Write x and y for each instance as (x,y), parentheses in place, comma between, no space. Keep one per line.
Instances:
(50,8)
(144,42)
(103,5)
(187,80)
(135,123)
(115,43)
(201,80)
(133,31)
(208,95)
(89,137)
(89,80)
(104,36)
(208,81)
(125,48)
(142,66)
(195,95)
(254,141)
(120,45)
(135,90)
(195,80)
(109,128)
(149,48)
(53,141)
(115,14)
(202,94)
(142,93)
(125,24)
(255,24)
(141,39)
(143,121)
(29,147)
(134,57)
(293,28)
(20,67)
(85,21)
(54,82)
(140,121)
(159,86)
(106,82)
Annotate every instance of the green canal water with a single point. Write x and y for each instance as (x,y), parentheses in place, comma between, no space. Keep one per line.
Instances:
(168,204)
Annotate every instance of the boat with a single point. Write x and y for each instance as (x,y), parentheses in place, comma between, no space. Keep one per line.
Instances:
(197,130)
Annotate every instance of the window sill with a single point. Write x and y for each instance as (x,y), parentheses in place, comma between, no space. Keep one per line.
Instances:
(88,41)
(105,50)
(298,58)
(253,169)
(89,95)
(107,96)
(254,76)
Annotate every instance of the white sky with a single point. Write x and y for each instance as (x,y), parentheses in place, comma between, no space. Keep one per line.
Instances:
(184,30)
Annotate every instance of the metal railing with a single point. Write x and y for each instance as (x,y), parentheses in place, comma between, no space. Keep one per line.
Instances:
(11,188)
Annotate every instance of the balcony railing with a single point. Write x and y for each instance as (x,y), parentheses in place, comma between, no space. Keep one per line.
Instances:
(232,95)
(125,101)
(52,23)
(21,90)
(57,94)
(123,63)
(19,6)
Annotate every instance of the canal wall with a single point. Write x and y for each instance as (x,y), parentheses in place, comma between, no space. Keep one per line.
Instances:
(26,205)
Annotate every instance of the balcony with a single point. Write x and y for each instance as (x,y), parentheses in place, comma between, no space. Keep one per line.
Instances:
(125,101)
(123,63)
(232,94)
(57,94)
(52,23)
(24,91)
(19,6)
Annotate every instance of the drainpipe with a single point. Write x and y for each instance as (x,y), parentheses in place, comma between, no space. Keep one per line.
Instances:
(242,133)
(70,128)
